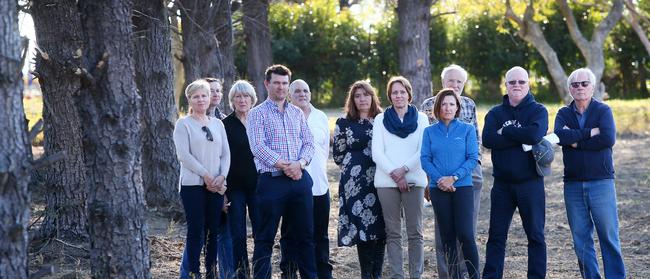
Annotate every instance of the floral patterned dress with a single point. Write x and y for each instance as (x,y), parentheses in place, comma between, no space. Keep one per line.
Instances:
(360,216)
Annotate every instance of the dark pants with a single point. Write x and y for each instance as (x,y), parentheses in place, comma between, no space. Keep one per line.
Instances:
(283,197)
(239,201)
(455,214)
(505,198)
(224,252)
(371,258)
(321,242)
(203,214)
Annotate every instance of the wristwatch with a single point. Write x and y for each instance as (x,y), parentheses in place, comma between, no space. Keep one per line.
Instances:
(303,163)
(455,178)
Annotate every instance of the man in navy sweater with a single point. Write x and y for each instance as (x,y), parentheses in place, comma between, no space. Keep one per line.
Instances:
(587,133)
(519,120)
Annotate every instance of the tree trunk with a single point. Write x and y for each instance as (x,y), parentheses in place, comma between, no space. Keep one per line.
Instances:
(155,81)
(58,30)
(110,110)
(258,43)
(14,164)
(633,19)
(413,41)
(226,48)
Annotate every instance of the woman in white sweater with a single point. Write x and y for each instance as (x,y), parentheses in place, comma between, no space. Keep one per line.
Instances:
(202,149)
(399,179)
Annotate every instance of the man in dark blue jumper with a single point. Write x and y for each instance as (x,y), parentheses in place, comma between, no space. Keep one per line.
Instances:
(519,120)
(587,134)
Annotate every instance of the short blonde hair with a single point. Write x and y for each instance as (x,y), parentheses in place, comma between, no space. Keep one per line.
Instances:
(241,86)
(195,86)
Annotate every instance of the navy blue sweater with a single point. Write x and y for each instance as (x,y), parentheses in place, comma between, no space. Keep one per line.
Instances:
(526,123)
(592,159)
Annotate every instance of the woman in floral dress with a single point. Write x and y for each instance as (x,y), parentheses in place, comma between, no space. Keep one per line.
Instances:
(361,222)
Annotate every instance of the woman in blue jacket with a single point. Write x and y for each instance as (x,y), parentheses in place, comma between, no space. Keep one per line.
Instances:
(449,153)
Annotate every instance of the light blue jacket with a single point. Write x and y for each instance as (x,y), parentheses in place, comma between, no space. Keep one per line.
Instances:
(449,151)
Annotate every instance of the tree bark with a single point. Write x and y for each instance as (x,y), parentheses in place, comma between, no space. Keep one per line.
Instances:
(413,39)
(224,32)
(58,30)
(592,49)
(14,163)
(110,110)
(155,80)
(259,55)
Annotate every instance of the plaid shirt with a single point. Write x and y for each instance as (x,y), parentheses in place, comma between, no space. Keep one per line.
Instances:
(275,135)
(467,113)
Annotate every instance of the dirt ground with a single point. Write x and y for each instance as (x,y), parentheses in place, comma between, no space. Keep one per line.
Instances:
(70,260)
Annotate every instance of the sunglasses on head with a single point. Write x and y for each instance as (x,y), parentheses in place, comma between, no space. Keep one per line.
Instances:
(513,82)
(579,83)
(208,133)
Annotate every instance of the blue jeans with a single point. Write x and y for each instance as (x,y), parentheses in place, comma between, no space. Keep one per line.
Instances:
(505,197)
(239,201)
(592,204)
(282,197)
(203,215)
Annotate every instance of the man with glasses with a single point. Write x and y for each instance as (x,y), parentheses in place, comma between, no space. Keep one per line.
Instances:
(317,169)
(587,134)
(517,185)
(454,77)
(283,146)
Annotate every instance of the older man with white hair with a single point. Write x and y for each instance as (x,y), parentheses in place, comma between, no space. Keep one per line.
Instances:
(455,77)
(587,134)
(517,184)
(300,95)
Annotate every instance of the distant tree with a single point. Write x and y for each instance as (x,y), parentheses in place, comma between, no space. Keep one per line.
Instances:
(155,80)
(258,42)
(413,41)
(110,110)
(58,68)
(14,160)
(592,49)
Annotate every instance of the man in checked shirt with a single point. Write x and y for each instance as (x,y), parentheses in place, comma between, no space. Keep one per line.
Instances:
(283,146)
(454,77)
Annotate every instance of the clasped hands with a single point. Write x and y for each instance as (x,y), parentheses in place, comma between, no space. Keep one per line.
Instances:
(215,184)
(291,169)
(594,132)
(398,175)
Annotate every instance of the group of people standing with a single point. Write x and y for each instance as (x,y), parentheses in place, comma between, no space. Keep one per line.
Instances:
(270,161)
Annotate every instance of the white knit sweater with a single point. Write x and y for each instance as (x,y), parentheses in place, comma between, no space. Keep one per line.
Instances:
(390,152)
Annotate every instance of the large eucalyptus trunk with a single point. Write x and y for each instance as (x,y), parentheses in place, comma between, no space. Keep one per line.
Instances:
(110,108)
(14,160)
(59,38)
(258,42)
(413,40)
(155,80)
(224,32)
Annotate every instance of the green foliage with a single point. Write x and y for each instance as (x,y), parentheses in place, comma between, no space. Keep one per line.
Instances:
(325,48)
(629,64)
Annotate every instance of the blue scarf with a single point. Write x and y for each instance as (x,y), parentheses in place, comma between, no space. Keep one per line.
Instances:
(401,128)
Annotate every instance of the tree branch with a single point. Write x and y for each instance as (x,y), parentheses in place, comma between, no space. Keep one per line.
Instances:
(48,160)
(37,128)
(608,23)
(632,19)
(510,14)
(574,30)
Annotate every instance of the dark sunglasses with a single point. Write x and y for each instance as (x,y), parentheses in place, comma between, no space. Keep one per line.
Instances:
(208,133)
(513,82)
(578,83)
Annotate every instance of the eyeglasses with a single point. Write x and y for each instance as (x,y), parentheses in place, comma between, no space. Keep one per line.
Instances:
(579,83)
(208,133)
(513,82)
